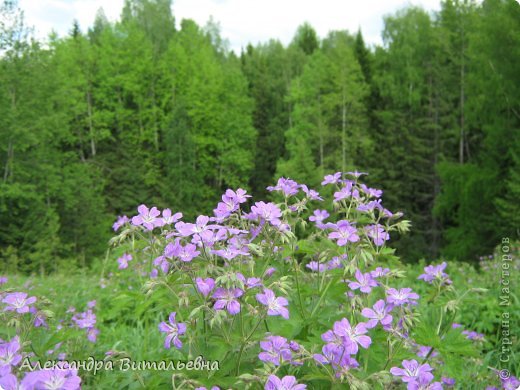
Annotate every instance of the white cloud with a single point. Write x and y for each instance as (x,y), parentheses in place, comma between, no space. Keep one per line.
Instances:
(58,15)
(241,21)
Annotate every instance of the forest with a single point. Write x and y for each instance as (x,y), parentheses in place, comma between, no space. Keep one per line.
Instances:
(97,122)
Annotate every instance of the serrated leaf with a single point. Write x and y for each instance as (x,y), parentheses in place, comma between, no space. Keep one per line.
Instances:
(426,335)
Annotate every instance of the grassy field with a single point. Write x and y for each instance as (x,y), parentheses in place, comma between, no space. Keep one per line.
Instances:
(127,323)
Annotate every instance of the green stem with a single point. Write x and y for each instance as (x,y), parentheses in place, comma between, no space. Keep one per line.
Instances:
(440,323)
(427,356)
(321,298)
(245,342)
(298,287)
(392,354)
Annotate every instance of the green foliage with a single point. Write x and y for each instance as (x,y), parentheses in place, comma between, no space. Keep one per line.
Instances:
(94,124)
(329,128)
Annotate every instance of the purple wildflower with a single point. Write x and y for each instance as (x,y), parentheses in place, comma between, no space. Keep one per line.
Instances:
(344,192)
(294,346)
(424,382)
(253,282)
(168,218)
(338,359)
(173,329)
(123,260)
(200,226)
(377,233)
(365,282)
(389,214)
(228,253)
(184,253)
(9,382)
(450,382)
(357,174)
(355,334)
(335,262)
(370,206)
(266,211)
(344,336)
(412,371)
(287,186)
(425,351)
(18,302)
(269,272)
(379,313)
(288,382)
(329,354)
(371,192)
(344,233)
(227,299)
(402,296)
(9,356)
(208,238)
(205,286)
(511,383)
(62,378)
(162,263)
(85,320)
(121,220)
(92,334)
(39,318)
(379,272)
(147,217)
(318,217)
(276,350)
(311,194)
(472,335)
(317,267)
(337,341)
(331,179)
(455,325)
(275,306)
(435,272)
(239,196)
(240,244)
(230,202)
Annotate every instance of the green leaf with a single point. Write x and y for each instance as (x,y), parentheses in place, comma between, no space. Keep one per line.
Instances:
(426,335)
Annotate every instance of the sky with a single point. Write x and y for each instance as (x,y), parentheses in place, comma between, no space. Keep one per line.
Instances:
(241,21)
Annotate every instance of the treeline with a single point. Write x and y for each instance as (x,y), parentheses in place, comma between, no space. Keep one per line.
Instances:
(137,111)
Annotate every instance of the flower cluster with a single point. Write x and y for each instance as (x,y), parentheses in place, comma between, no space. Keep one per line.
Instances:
(87,320)
(435,272)
(342,342)
(28,317)
(277,350)
(253,266)
(60,378)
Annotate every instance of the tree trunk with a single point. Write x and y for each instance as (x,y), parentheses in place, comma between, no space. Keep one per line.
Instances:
(320,132)
(10,147)
(343,134)
(461,102)
(91,124)
(9,159)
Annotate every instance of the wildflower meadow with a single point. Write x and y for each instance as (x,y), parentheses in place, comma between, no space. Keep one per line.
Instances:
(301,292)
(259,195)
